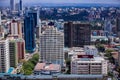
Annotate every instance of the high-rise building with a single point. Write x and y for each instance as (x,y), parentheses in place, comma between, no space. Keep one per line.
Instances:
(20,49)
(1,29)
(12,5)
(35,14)
(17,6)
(38,30)
(29,33)
(37,25)
(77,34)
(17,50)
(15,28)
(4,56)
(51,46)
(13,53)
(20,5)
(107,28)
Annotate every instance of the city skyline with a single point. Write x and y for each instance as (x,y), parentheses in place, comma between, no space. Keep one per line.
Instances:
(63,1)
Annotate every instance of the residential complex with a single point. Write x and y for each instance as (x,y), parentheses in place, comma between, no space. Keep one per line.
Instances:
(4,56)
(13,53)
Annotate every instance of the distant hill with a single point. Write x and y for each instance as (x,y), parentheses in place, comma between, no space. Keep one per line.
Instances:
(75,4)
(66,4)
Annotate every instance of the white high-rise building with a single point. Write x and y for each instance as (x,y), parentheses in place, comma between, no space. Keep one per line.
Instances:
(4,56)
(51,46)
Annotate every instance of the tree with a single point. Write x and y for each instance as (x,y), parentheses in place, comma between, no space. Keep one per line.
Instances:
(109,55)
(68,64)
(29,65)
(100,47)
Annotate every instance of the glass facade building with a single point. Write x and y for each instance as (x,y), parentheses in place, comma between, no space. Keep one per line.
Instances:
(29,32)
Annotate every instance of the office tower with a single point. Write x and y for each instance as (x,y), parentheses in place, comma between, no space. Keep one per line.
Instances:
(88,64)
(20,5)
(77,34)
(35,14)
(20,48)
(13,53)
(15,28)
(37,26)
(12,5)
(29,33)
(51,46)
(107,28)
(17,6)
(4,56)
(0,18)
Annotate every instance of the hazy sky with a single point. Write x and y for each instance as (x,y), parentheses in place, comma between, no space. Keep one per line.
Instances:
(64,1)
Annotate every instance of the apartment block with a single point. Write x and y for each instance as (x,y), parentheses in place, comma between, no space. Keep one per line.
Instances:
(4,56)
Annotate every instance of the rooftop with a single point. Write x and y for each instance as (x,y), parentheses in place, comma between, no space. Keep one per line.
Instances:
(49,67)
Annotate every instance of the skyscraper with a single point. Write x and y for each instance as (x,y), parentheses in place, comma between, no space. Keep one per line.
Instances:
(12,5)
(77,34)
(20,5)
(35,14)
(4,56)
(51,46)
(37,26)
(29,32)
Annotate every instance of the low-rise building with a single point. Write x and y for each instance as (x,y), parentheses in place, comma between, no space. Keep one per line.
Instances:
(88,64)
(47,69)
(76,51)
(91,50)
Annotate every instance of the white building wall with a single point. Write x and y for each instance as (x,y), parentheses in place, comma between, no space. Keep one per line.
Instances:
(4,55)
(51,46)
(104,67)
(88,67)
